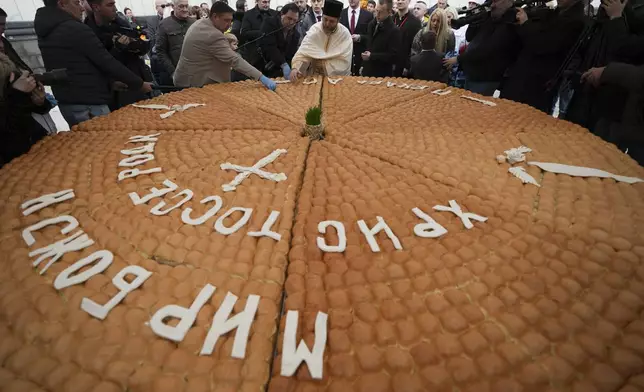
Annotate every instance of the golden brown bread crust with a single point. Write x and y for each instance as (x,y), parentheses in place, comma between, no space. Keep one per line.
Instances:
(545,295)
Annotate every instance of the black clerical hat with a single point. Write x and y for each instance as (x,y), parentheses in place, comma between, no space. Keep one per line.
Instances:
(332,8)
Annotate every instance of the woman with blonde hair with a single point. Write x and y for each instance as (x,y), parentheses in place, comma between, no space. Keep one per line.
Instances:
(445,40)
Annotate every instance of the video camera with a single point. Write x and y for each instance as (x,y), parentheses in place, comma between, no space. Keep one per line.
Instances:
(56,77)
(534,9)
(134,33)
(138,37)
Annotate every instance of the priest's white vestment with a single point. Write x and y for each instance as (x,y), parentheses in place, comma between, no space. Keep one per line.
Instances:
(320,52)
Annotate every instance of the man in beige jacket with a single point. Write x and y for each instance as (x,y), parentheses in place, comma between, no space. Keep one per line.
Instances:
(207,57)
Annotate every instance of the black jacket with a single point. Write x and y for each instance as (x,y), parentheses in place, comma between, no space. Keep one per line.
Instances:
(409,27)
(169,41)
(252,29)
(361,26)
(18,129)
(383,43)
(66,42)
(428,65)
(628,130)
(277,48)
(545,44)
(622,42)
(153,23)
(235,29)
(307,19)
(130,56)
(493,47)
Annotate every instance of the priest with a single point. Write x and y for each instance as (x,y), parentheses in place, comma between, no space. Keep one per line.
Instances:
(327,47)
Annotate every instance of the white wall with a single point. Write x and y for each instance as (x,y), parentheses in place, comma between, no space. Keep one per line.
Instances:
(21,9)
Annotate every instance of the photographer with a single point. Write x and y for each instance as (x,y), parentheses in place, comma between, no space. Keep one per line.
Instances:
(280,41)
(494,45)
(610,100)
(545,43)
(20,95)
(124,43)
(614,36)
(66,42)
(627,132)
(625,42)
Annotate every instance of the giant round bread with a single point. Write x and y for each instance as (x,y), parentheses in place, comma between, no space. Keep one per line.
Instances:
(543,292)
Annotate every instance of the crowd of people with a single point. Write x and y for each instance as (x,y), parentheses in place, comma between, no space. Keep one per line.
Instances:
(591,67)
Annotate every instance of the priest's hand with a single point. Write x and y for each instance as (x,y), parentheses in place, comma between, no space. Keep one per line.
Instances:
(268,83)
(366,55)
(295,75)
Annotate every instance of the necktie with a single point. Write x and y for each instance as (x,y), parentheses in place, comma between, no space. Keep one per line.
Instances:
(319,18)
(353,21)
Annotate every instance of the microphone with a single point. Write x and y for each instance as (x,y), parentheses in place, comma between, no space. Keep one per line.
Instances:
(263,36)
(299,20)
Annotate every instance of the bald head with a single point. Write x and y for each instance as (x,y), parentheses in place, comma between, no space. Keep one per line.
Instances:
(158,4)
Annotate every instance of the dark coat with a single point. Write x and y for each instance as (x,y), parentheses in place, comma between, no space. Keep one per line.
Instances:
(130,56)
(628,131)
(361,26)
(409,27)
(18,129)
(428,65)
(252,29)
(493,47)
(66,42)
(153,23)
(235,29)
(623,44)
(307,19)
(384,44)
(277,48)
(545,45)
(169,41)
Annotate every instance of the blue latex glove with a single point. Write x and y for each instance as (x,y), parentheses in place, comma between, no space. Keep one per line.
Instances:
(51,100)
(286,71)
(268,83)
